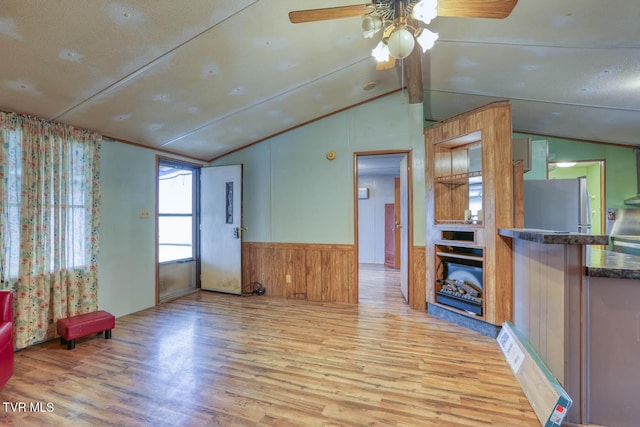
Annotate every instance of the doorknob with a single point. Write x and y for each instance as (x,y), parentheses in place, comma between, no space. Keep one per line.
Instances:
(237,232)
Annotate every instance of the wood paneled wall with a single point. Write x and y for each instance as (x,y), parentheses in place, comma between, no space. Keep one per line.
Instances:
(550,298)
(540,294)
(418,278)
(316,272)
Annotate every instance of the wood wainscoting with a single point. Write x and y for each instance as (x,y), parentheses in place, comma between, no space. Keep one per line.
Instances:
(418,278)
(318,272)
(315,272)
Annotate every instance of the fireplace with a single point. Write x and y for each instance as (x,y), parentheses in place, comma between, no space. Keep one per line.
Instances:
(460,285)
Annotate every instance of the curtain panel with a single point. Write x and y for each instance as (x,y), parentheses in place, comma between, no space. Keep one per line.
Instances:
(49,222)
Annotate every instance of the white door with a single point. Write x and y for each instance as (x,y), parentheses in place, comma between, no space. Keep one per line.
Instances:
(404,229)
(221,228)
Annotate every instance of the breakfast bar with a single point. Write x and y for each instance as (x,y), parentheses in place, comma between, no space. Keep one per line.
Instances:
(578,305)
(613,337)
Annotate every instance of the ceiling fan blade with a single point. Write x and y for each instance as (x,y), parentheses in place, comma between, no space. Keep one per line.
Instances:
(312,15)
(496,9)
(380,66)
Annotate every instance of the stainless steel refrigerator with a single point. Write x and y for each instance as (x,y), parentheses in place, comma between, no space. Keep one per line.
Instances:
(557,204)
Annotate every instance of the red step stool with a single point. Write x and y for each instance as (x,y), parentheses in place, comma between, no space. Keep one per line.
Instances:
(82,325)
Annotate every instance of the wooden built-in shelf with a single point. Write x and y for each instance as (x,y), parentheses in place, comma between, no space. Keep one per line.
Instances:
(458,221)
(457,179)
(458,151)
(459,256)
(453,236)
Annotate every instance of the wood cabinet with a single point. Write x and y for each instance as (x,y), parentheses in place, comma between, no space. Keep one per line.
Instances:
(469,189)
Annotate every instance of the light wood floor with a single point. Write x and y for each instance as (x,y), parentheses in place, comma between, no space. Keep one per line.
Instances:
(214,359)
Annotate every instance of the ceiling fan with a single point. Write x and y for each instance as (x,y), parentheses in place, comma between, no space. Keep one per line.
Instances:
(497,9)
(402,22)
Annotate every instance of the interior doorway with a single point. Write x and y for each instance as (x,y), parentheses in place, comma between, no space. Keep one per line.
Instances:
(383,212)
(594,171)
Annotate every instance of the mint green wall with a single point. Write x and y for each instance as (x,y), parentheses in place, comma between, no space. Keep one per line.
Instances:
(256,209)
(574,172)
(620,164)
(126,262)
(292,193)
(593,186)
(595,192)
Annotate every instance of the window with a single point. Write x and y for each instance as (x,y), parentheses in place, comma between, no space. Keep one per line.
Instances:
(47,201)
(49,222)
(176,207)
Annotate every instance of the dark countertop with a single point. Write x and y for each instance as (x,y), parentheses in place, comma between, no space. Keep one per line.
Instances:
(550,237)
(599,262)
(616,265)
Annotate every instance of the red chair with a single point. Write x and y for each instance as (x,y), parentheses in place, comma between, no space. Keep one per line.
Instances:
(6,336)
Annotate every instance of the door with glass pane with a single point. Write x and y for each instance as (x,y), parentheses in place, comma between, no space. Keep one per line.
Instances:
(221,229)
(177,231)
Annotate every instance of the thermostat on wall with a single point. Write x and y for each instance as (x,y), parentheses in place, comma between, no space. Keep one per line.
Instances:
(363,193)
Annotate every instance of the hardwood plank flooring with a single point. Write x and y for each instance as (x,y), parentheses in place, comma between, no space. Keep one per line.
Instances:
(213,359)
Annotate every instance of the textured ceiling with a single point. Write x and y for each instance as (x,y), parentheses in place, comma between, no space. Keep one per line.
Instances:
(203,77)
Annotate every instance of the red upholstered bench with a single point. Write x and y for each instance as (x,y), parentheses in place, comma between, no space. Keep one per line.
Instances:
(85,324)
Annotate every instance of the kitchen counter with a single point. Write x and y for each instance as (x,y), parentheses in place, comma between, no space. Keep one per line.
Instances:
(615,265)
(598,263)
(577,306)
(549,237)
(548,274)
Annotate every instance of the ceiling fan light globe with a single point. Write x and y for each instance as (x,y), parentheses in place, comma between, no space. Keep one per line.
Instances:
(426,39)
(370,25)
(381,52)
(401,43)
(425,10)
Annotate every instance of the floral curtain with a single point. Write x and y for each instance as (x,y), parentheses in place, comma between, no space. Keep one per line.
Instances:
(49,219)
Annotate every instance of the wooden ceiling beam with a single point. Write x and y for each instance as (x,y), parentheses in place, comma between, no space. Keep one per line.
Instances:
(413,76)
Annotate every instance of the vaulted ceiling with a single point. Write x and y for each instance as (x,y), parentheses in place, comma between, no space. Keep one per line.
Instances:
(204,77)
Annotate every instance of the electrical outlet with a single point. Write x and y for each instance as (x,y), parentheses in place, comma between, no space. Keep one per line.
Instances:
(144,213)
(288,278)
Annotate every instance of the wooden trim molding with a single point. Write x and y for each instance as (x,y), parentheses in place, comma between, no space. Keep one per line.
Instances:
(309,271)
